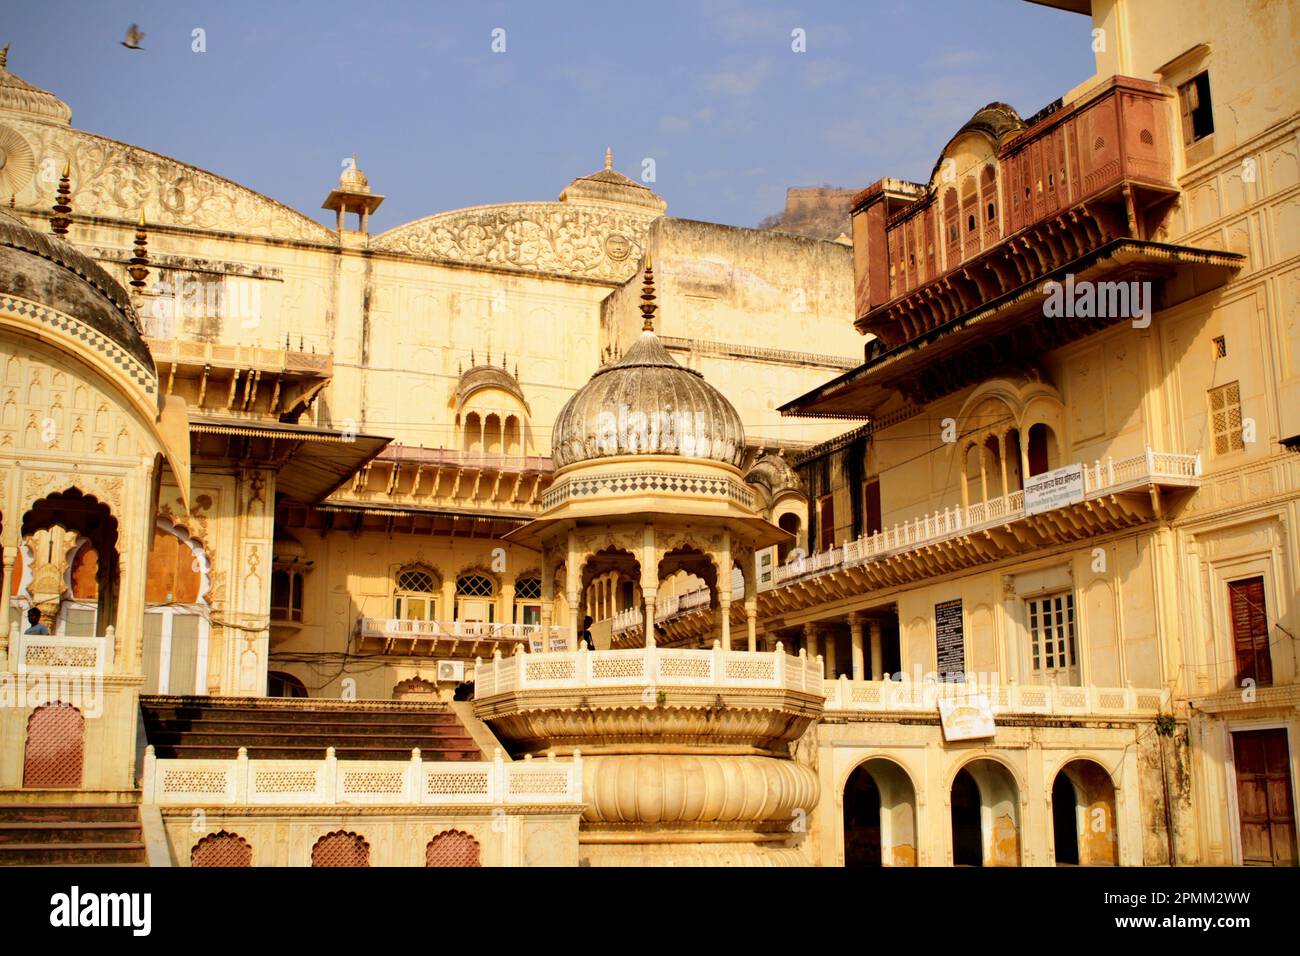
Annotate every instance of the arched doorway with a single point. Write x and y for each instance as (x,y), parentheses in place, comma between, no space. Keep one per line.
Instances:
(55,748)
(985,815)
(452,848)
(340,848)
(175,654)
(967,826)
(879,816)
(72,526)
(284,684)
(1064,829)
(222,849)
(1083,815)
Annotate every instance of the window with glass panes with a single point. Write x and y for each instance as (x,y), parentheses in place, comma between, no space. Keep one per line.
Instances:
(416,595)
(1051,633)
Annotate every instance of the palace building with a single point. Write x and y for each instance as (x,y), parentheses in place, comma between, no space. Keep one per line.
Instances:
(310,522)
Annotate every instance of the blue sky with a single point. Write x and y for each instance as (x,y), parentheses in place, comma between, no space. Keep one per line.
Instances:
(710,90)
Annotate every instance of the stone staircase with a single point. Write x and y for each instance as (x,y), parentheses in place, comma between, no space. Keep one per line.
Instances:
(294,729)
(71,834)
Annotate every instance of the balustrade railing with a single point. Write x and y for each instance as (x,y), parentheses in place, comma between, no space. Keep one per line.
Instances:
(333,782)
(1099,478)
(886,696)
(648,667)
(463,630)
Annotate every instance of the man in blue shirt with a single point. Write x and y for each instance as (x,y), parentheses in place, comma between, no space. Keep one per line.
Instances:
(34,622)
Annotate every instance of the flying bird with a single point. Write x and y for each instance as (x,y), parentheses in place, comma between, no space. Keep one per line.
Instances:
(133,38)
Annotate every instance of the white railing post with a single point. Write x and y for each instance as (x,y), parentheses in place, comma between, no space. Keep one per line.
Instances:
(415,777)
(1110,470)
(110,648)
(1151,461)
(582,670)
(242,775)
(497,782)
(330,776)
(1130,697)
(779,666)
(719,667)
(575,778)
(150,781)
(1196,466)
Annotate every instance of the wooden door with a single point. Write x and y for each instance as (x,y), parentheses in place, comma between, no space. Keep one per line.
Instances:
(1250,631)
(1264,804)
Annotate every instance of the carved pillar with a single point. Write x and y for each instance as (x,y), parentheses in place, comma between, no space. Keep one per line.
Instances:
(1024,457)
(1002,461)
(5,609)
(831,669)
(810,639)
(965,477)
(724,612)
(855,637)
(247,646)
(751,624)
(649,580)
(984,472)
(548,601)
(572,581)
(877,657)
(723,563)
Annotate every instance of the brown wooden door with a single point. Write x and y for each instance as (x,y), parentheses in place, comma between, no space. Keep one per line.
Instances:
(1250,631)
(1264,802)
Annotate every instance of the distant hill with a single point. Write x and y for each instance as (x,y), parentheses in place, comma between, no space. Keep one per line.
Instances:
(818,212)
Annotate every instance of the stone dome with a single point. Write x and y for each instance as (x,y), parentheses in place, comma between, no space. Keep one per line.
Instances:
(353,180)
(45,269)
(31,102)
(647,404)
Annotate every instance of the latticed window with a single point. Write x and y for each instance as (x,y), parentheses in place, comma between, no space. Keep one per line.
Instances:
(340,848)
(415,597)
(1225,418)
(477,585)
(452,848)
(1051,632)
(528,589)
(222,849)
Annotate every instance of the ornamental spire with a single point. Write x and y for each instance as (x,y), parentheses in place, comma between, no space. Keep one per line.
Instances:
(61,219)
(648,302)
(4,57)
(138,266)
(609,157)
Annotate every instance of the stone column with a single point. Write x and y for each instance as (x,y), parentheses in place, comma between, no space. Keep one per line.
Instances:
(810,639)
(649,595)
(877,657)
(984,472)
(1002,461)
(724,612)
(751,624)
(831,669)
(855,636)
(965,478)
(250,593)
(6,612)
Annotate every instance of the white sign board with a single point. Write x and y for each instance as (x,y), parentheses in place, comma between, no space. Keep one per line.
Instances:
(1054,489)
(966,718)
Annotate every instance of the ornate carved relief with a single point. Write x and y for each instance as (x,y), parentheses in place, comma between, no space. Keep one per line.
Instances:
(531,237)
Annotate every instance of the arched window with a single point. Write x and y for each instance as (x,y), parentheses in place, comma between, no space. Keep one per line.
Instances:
(281,684)
(475,598)
(56,739)
(452,848)
(415,598)
(340,848)
(513,445)
(222,849)
(79,610)
(176,614)
(492,435)
(473,436)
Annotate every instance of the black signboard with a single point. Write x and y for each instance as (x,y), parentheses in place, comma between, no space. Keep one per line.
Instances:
(949,638)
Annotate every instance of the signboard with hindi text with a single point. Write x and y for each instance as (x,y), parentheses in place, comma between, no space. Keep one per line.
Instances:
(1054,489)
(966,718)
(949,637)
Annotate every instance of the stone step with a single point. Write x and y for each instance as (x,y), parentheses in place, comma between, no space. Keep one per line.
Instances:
(72,854)
(63,832)
(70,813)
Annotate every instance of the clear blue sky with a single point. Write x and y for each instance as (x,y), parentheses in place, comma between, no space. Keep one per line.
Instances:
(710,90)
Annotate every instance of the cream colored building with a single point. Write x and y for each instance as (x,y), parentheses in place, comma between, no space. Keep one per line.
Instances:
(294,461)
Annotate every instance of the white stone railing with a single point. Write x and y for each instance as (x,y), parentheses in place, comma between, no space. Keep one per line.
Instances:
(1100,478)
(51,653)
(664,609)
(648,667)
(333,782)
(1054,699)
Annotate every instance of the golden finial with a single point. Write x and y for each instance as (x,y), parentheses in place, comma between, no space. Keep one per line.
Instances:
(648,305)
(609,158)
(138,265)
(61,219)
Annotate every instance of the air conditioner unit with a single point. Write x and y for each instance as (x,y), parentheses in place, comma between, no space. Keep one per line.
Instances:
(451,671)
